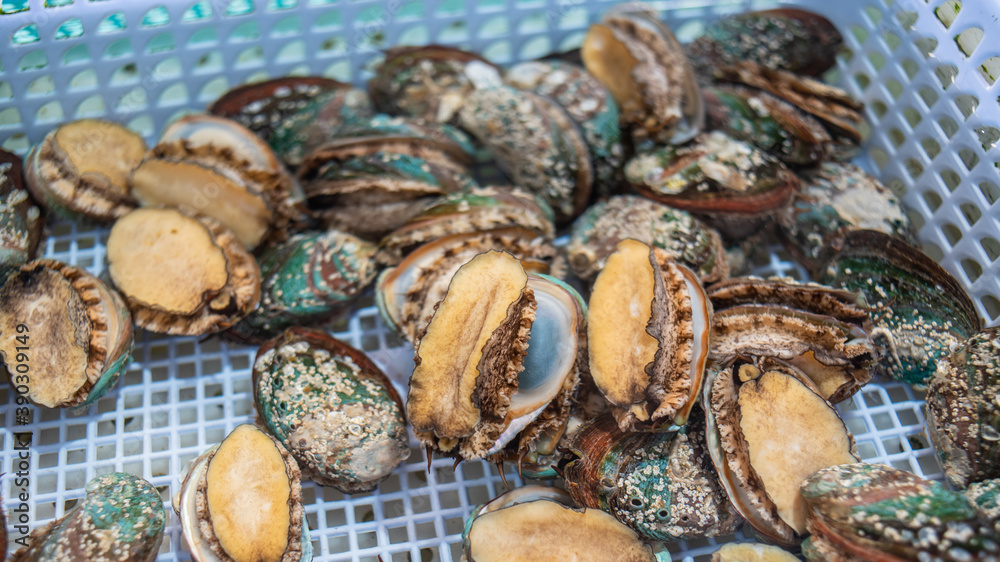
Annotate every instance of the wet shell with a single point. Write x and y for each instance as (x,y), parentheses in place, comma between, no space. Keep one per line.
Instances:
(787,39)
(839,112)
(535,142)
(539,523)
(833,197)
(332,408)
(963,415)
(648,336)
(428,82)
(263,106)
(734,186)
(217,167)
(494,373)
(407,294)
(477,210)
(921,312)
(822,331)
(662,485)
(686,239)
(81,170)
(640,61)
(21,222)
(121,518)
(181,273)
(866,511)
(318,121)
(307,279)
(590,105)
(767,122)
(985,496)
(242,500)
(78,331)
(767,430)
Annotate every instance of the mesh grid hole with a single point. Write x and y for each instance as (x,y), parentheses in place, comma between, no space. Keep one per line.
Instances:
(992,306)
(972,269)
(947,12)
(950,178)
(969,158)
(990,191)
(948,126)
(914,168)
(121,48)
(933,251)
(952,233)
(910,67)
(932,199)
(51,112)
(862,80)
(968,40)
(34,60)
(991,246)
(946,74)
(926,46)
(967,104)
(912,117)
(164,42)
(990,70)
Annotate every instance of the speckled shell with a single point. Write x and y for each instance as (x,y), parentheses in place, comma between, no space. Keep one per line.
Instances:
(839,112)
(920,310)
(821,330)
(985,496)
(333,409)
(317,121)
(771,124)
(305,280)
(121,518)
(662,485)
(876,512)
(21,222)
(686,239)
(263,106)
(833,197)
(536,142)
(477,210)
(733,185)
(788,39)
(98,313)
(407,293)
(427,82)
(590,105)
(672,107)
(963,414)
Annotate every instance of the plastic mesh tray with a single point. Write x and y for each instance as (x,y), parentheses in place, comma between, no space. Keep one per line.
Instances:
(932,108)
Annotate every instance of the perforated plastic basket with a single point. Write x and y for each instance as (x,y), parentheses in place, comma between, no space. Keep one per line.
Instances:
(922,69)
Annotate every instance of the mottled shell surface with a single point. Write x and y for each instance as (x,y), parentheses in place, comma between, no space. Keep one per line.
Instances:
(732,184)
(820,330)
(662,485)
(640,61)
(876,512)
(21,222)
(985,496)
(686,239)
(120,518)
(81,169)
(921,312)
(590,105)
(79,332)
(263,106)
(838,196)
(788,39)
(536,142)
(428,82)
(307,279)
(767,122)
(477,210)
(317,120)
(963,412)
(333,409)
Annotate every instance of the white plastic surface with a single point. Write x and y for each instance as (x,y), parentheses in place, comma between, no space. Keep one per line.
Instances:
(181,396)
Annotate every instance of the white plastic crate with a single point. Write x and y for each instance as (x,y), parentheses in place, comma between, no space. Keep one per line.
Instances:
(922,69)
